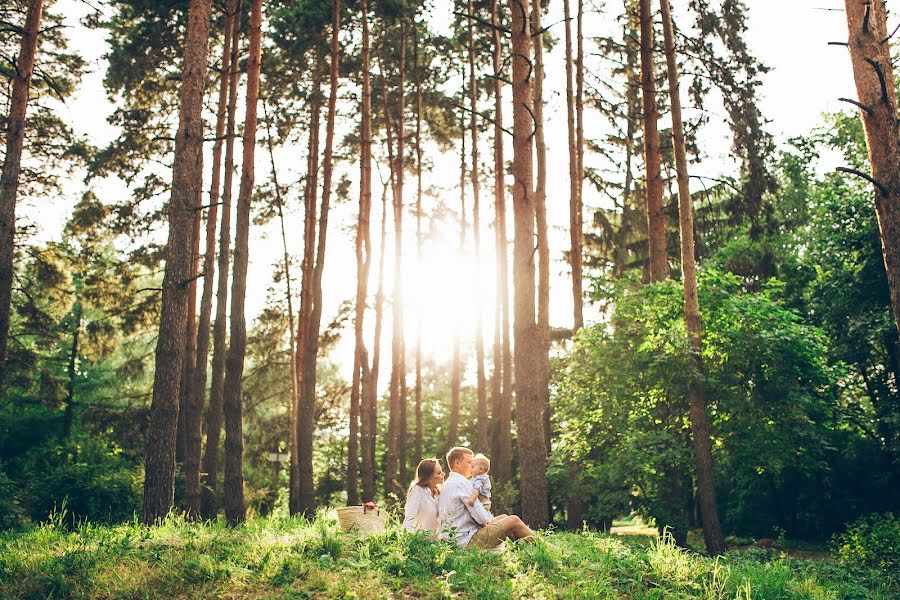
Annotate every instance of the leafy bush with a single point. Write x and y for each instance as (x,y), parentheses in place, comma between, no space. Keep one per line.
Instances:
(11,513)
(872,541)
(90,473)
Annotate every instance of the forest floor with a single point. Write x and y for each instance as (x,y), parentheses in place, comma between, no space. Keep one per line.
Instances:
(290,558)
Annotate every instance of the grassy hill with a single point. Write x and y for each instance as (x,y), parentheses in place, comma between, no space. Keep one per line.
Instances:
(289,558)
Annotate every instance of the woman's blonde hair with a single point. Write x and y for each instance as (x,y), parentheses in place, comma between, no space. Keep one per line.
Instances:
(424,473)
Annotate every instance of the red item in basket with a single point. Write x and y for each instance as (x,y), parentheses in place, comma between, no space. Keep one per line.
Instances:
(369,506)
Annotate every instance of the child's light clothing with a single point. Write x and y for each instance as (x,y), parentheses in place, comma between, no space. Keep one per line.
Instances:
(482,483)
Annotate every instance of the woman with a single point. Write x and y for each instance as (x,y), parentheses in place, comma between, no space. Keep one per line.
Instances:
(421,512)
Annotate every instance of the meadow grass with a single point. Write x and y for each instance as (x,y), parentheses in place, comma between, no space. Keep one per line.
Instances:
(293,558)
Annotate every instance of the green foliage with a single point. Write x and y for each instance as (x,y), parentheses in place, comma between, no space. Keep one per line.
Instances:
(296,559)
(621,408)
(11,513)
(872,541)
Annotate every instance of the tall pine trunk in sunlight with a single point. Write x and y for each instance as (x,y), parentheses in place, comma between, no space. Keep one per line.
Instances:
(194,418)
(288,278)
(417,455)
(456,357)
(706,489)
(656,223)
(395,455)
(185,390)
(187,181)
(361,374)
(303,496)
(364,260)
(376,347)
(311,337)
(214,413)
(574,115)
(540,218)
(476,234)
(874,76)
(12,166)
(235,511)
(501,388)
(528,343)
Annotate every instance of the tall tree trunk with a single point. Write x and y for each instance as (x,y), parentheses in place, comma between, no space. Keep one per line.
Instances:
(874,76)
(235,511)
(709,513)
(69,417)
(540,214)
(310,354)
(502,385)
(185,393)
(187,181)
(198,387)
(303,500)
(12,166)
(372,417)
(395,454)
(656,223)
(417,457)
(214,413)
(289,293)
(528,344)
(363,262)
(576,216)
(476,233)
(456,358)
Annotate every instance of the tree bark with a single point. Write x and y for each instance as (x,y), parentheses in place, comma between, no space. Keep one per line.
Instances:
(310,354)
(528,345)
(185,393)
(874,76)
(540,214)
(417,458)
(12,166)
(481,389)
(576,212)
(363,262)
(371,420)
(159,465)
(303,496)
(195,408)
(501,461)
(214,413)
(709,513)
(235,511)
(656,223)
(456,358)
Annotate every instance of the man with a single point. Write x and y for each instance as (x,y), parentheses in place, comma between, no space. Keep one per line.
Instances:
(473,525)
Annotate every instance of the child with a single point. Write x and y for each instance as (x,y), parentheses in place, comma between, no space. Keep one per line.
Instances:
(480,481)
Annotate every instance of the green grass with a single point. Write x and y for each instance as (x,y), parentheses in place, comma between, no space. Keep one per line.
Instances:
(290,558)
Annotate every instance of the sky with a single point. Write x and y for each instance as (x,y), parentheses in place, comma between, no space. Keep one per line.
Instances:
(790,36)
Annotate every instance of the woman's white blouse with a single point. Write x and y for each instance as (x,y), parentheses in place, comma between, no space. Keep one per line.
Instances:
(421,510)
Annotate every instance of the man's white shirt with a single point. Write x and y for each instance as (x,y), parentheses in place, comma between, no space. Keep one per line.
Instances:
(459,521)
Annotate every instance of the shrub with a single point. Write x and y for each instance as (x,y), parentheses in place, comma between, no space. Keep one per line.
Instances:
(11,513)
(872,541)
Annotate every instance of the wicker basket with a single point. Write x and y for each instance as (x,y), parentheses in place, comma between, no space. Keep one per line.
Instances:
(362,519)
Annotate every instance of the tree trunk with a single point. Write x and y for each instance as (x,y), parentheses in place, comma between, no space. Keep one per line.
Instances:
(501,461)
(656,223)
(418,389)
(12,166)
(303,496)
(371,419)
(540,214)
(712,530)
(185,393)
(198,387)
(69,417)
(235,511)
(310,354)
(528,344)
(159,465)
(576,215)
(476,233)
(874,76)
(214,413)
(456,358)
(289,294)
(363,262)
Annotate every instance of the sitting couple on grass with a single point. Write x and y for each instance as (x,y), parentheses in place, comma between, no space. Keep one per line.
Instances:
(457,509)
